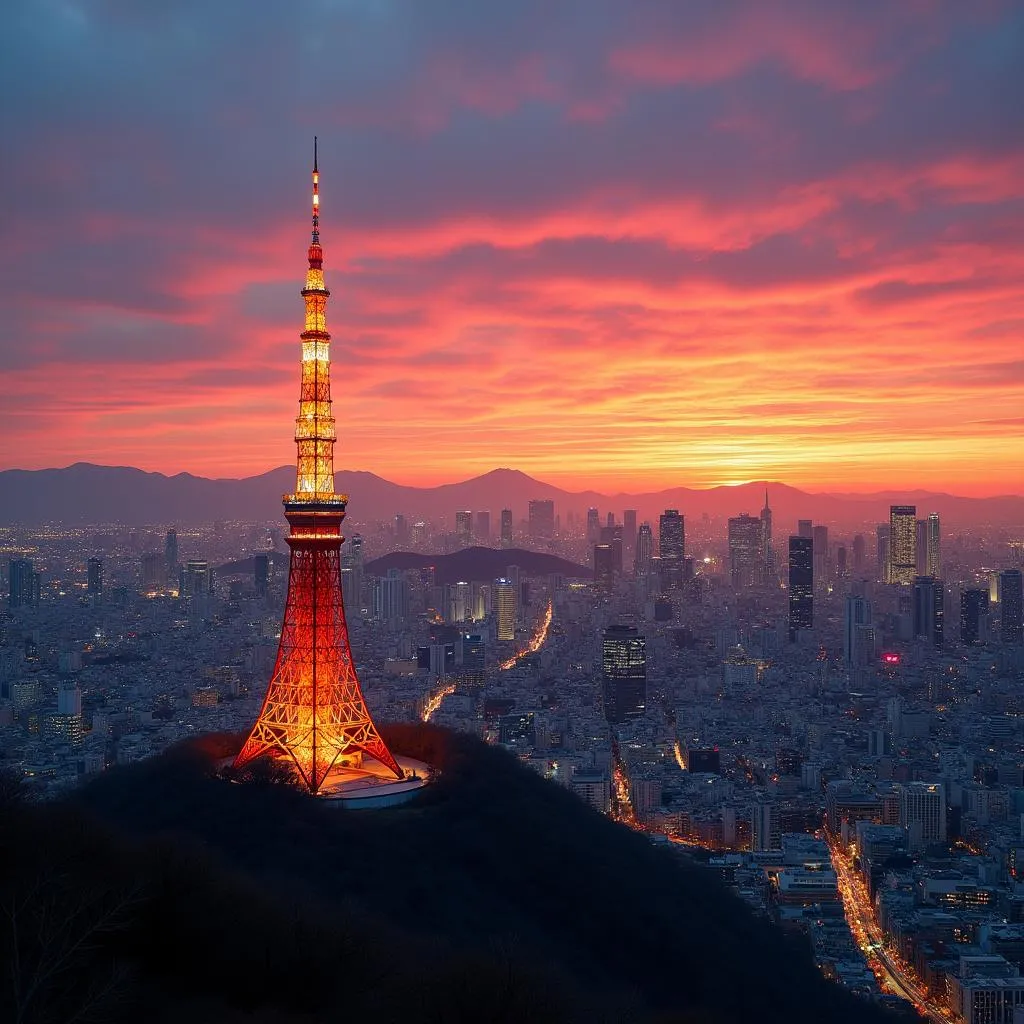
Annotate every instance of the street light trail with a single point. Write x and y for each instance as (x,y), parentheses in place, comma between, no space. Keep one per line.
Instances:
(433,701)
(891,972)
(540,635)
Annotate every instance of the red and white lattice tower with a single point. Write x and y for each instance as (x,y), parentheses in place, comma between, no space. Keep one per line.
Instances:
(314,711)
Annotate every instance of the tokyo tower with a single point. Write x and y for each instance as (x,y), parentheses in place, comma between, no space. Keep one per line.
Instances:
(314,711)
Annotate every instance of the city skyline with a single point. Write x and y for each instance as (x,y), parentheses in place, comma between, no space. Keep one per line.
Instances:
(674,249)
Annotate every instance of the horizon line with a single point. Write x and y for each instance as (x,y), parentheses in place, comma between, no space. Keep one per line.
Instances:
(760,482)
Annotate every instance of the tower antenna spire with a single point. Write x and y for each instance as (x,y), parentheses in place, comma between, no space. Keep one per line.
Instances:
(316,196)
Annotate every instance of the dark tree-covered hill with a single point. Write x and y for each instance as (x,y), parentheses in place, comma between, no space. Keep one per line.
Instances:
(478,564)
(162,892)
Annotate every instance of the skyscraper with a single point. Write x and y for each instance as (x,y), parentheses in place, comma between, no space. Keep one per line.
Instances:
(801,585)
(505,605)
(767,552)
(859,552)
(464,527)
(921,547)
(593,525)
(1011,606)
(819,534)
(923,813)
(624,673)
(542,519)
(94,568)
(902,544)
(934,557)
(858,632)
(929,609)
(401,529)
(805,528)
(765,833)
(604,566)
(171,554)
(973,615)
(745,556)
(314,714)
(23,584)
(882,534)
(629,534)
(644,550)
(483,526)
(506,527)
(671,548)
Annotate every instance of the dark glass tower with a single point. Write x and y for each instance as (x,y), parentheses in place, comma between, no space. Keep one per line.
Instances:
(624,673)
(801,584)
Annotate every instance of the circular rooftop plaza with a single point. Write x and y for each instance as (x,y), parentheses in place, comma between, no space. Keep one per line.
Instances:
(372,785)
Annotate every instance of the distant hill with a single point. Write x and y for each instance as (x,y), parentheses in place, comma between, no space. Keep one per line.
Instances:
(88,494)
(166,894)
(478,565)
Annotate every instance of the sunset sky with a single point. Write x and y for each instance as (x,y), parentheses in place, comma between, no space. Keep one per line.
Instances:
(626,245)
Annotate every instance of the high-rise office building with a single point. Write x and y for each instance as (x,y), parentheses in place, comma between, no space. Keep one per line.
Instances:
(401,529)
(767,551)
(624,673)
(644,550)
(506,527)
(842,569)
(923,813)
(859,555)
(671,548)
(882,534)
(973,615)
(745,556)
(801,585)
(765,833)
(464,527)
(929,609)
(593,525)
(392,605)
(612,536)
(902,544)
(805,528)
(921,547)
(171,554)
(933,560)
(1011,606)
(153,571)
(24,584)
(198,578)
(94,569)
(505,598)
(629,534)
(604,566)
(819,534)
(858,632)
(483,526)
(542,519)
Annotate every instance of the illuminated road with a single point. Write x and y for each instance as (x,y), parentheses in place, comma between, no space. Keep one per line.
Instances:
(894,975)
(540,635)
(434,701)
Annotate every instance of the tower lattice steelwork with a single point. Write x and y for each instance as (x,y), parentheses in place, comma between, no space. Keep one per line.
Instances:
(314,710)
